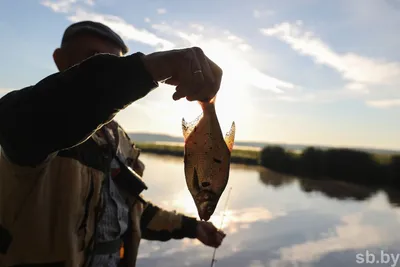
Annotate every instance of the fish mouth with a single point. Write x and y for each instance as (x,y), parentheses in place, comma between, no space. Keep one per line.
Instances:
(206,202)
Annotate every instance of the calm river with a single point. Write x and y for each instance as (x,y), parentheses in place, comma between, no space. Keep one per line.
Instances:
(278,221)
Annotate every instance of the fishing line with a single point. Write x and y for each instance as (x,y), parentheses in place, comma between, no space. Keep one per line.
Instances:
(213,260)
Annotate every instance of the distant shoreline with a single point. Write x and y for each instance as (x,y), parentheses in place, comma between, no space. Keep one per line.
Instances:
(342,164)
(142,137)
(240,155)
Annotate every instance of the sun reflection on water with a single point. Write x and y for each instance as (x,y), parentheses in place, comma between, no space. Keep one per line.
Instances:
(274,224)
(231,219)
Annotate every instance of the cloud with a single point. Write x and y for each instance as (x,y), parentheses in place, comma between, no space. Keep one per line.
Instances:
(65,6)
(227,49)
(4,91)
(126,30)
(351,235)
(359,71)
(384,103)
(197,27)
(257,13)
(161,11)
(226,54)
(242,45)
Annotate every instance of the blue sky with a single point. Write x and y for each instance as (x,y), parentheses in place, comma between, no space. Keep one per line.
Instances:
(304,71)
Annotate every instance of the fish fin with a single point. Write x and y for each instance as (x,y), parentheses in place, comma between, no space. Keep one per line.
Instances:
(230,137)
(212,101)
(188,127)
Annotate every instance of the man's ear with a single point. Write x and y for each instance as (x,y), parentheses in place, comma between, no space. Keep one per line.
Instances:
(60,59)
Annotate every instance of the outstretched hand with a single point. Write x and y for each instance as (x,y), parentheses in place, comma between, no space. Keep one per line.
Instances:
(209,235)
(195,76)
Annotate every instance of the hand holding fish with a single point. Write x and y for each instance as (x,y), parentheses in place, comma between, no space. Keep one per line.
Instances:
(209,235)
(195,76)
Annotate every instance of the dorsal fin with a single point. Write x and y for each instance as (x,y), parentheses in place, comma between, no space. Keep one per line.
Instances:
(230,137)
(188,127)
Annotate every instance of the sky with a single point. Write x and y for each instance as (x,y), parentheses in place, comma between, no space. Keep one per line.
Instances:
(297,72)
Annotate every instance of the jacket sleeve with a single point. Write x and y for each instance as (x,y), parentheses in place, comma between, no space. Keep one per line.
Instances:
(161,225)
(66,108)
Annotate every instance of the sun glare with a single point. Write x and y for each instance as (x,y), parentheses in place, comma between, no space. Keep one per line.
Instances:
(232,100)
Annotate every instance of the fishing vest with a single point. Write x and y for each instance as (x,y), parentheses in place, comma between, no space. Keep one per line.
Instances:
(50,212)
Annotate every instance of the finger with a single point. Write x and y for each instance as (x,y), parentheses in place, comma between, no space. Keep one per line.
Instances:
(171,81)
(221,235)
(205,94)
(185,78)
(196,67)
(217,72)
(178,95)
(216,243)
(211,89)
(204,65)
(183,90)
(222,232)
(211,228)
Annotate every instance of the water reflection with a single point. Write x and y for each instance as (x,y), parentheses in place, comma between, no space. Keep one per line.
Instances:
(275,220)
(333,189)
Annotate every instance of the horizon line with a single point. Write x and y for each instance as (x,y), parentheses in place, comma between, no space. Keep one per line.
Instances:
(279,143)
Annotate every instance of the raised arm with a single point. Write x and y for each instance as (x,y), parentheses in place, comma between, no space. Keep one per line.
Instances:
(66,108)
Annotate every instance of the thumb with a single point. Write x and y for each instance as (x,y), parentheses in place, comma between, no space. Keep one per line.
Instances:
(209,227)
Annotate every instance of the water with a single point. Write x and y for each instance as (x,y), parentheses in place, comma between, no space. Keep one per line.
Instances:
(275,220)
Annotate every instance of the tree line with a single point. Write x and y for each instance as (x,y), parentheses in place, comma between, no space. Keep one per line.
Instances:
(337,163)
(342,164)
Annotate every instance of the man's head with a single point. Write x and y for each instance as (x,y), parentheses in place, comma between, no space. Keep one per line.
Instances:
(84,39)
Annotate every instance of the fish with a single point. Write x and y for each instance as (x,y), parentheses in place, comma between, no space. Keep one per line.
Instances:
(207,158)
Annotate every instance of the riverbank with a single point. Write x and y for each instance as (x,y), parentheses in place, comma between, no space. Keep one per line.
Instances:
(337,163)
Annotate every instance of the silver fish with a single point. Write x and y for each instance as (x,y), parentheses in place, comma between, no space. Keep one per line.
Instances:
(207,156)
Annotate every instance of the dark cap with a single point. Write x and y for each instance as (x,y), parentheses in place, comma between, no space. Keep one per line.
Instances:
(95,28)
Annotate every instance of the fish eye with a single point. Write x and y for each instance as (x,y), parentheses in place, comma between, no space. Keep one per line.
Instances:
(205,184)
(217,160)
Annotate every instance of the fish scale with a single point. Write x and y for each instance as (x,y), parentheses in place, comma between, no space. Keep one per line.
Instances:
(207,158)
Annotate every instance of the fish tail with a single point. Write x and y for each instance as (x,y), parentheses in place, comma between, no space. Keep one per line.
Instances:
(212,101)
(208,104)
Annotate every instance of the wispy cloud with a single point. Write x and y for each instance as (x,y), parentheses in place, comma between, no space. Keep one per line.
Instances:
(384,103)
(224,47)
(258,13)
(370,79)
(351,235)
(77,13)
(242,44)
(197,27)
(5,90)
(65,6)
(224,50)
(362,74)
(161,11)
(126,30)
